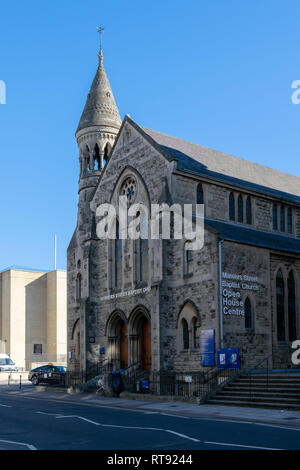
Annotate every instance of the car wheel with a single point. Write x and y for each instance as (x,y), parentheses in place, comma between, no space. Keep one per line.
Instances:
(34,380)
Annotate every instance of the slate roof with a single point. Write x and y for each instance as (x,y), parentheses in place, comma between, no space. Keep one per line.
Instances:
(252,236)
(227,168)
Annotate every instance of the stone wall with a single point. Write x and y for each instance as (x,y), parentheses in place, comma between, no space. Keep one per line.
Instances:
(199,289)
(282,350)
(254,344)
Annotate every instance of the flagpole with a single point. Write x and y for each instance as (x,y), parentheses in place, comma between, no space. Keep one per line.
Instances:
(54,252)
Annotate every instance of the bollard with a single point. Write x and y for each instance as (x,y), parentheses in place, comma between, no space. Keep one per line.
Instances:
(9,379)
(20,386)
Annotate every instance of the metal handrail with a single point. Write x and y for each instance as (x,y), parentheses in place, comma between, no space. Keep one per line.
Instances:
(261,362)
(251,371)
(135,364)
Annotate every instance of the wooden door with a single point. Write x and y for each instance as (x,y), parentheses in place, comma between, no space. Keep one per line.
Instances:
(124,347)
(146,344)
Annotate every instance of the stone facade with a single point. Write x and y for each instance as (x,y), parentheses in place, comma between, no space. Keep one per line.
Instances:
(157,314)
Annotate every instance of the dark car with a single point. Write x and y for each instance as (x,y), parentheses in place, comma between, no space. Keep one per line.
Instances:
(49,374)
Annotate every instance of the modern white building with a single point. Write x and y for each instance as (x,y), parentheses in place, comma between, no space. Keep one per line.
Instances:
(33,316)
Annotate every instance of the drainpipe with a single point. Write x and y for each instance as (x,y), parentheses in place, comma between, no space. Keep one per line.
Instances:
(220,293)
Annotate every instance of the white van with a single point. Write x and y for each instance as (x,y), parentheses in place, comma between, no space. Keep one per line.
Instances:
(6,364)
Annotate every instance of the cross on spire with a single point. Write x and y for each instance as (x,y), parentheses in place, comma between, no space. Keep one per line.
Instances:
(100,30)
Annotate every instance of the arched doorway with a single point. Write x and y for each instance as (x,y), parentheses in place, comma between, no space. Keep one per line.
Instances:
(118,342)
(146,343)
(123,347)
(140,339)
(76,344)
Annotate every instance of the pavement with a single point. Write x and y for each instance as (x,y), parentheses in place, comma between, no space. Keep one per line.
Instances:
(286,418)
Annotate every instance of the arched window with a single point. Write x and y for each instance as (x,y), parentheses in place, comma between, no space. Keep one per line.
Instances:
(248,315)
(290,220)
(76,339)
(144,248)
(292,307)
(78,287)
(200,196)
(231,207)
(240,209)
(280,306)
(118,256)
(188,328)
(189,258)
(282,219)
(143,259)
(77,345)
(107,151)
(248,211)
(195,328)
(185,334)
(141,248)
(86,166)
(97,158)
(275,217)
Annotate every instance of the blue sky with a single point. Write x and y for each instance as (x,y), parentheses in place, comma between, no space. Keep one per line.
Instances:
(215,73)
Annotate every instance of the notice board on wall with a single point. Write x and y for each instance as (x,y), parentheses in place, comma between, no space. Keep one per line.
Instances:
(207,341)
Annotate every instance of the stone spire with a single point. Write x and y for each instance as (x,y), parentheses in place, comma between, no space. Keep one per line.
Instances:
(98,127)
(100,107)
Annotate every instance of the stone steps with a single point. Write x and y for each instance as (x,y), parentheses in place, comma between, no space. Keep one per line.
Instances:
(260,393)
(272,391)
(269,383)
(274,387)
(270,378)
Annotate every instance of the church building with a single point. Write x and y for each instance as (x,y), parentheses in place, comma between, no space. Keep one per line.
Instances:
(153,301)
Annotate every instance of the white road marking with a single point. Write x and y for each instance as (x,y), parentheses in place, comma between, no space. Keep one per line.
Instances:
(240,445)
(31,447)
(83,419)
(177,416)
(48,414)
(206,418)
(183,435)
(234,421)
(130,427)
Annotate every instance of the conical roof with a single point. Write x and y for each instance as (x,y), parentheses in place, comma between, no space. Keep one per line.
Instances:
(100,107)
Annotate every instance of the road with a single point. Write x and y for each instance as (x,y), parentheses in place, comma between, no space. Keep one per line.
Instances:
(35,424)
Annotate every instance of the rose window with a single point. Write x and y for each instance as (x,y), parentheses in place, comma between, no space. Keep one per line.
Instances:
(128,189)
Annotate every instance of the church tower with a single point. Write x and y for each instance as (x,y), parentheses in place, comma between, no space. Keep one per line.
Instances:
(96,133)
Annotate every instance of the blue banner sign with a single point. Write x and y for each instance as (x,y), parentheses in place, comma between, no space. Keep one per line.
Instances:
(208,347)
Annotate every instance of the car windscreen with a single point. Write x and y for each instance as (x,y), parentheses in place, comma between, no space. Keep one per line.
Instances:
(4,361)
